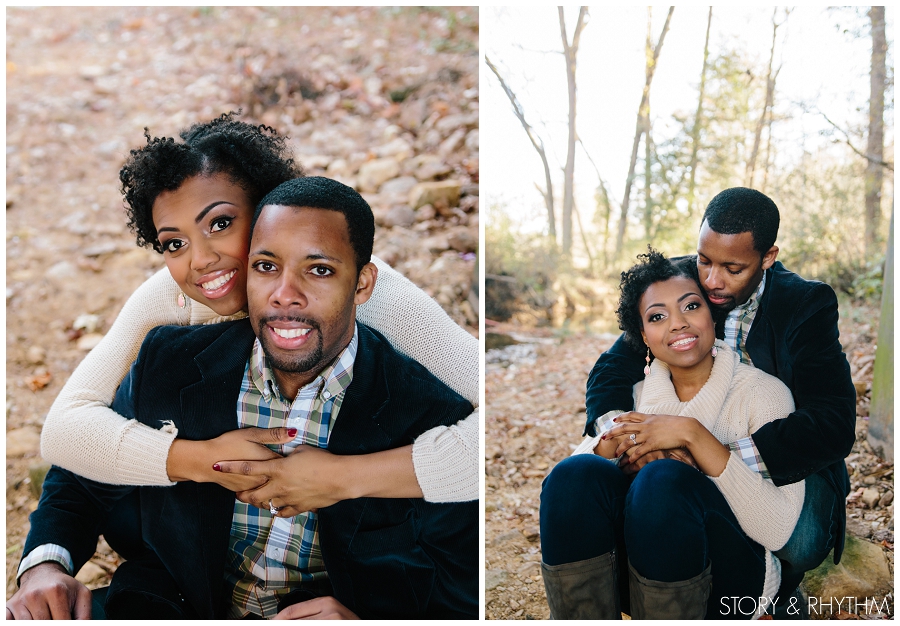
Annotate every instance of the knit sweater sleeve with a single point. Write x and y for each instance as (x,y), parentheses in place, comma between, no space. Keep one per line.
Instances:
(765,512)
(445,458)
(81,433)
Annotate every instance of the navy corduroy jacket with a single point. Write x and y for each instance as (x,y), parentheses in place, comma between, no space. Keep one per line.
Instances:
(386,558)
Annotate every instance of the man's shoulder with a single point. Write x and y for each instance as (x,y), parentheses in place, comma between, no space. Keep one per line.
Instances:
(785,280)
(168,346)
(400,370)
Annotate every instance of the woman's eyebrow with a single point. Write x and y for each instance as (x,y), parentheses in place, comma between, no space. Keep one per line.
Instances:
(206,210)
(688,295)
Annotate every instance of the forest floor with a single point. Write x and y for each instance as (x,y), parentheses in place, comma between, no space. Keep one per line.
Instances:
(535,416)
(381,99)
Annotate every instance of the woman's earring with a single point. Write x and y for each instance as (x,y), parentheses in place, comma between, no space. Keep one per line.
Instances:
(647,367)
(181,300)
(714,351)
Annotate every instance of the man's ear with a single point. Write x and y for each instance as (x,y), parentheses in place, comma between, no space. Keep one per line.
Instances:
(365,283)
(769,258)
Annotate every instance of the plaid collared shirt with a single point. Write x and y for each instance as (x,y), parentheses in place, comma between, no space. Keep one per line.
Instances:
(737,327)
(739,321)
(268,556)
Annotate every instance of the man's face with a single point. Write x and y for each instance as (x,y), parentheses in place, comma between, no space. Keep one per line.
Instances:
(730,267)
(302,289)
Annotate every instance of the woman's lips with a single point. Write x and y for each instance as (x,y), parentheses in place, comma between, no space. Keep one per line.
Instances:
(217,284)
(683,343)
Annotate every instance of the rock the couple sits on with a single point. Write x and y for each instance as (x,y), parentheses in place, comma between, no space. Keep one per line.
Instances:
(716,471)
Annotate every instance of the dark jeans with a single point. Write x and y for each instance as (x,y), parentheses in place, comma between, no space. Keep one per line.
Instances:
(813,536)
(670,521)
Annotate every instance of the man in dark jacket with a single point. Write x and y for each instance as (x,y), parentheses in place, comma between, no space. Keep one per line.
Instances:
(303,357)
(785,326)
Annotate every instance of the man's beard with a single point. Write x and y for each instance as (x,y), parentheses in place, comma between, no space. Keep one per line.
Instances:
(298,365)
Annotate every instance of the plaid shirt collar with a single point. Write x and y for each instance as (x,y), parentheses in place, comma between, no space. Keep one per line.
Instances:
(752,302)
(330,383)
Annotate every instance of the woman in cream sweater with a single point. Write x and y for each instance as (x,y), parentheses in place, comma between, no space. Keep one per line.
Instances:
(82,434)
(697,543)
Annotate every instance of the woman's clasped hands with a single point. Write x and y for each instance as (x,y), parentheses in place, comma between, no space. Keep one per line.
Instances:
(655,437)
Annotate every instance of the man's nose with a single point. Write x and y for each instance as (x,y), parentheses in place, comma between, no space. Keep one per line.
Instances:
(713,280)
(288,292)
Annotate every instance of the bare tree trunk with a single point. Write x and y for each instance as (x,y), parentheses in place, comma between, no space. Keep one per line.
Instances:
(602,197)
(584,240)
(767,107)
(570,52)
(538,144)
(652,57)
(648,200)
(875,147)
(695,129)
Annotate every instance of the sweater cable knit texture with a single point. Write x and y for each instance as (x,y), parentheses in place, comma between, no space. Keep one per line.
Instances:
(82,434)
(736,401)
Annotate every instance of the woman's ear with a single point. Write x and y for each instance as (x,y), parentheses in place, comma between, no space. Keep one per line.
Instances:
(644,337)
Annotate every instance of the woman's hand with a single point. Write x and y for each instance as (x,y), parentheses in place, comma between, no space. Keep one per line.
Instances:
(194,460)
(668,432)
(677,454)
(310,478)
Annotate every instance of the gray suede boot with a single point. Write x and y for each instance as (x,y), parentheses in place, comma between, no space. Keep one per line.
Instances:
(683,599)
(584,589)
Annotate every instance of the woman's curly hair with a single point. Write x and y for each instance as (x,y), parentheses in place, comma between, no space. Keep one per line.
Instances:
(256,158)
(653,267)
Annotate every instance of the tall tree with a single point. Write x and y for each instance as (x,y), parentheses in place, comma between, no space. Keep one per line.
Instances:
(875,147)
(570,51)
(771,76)
(538,144)
(697,125)
(652,56)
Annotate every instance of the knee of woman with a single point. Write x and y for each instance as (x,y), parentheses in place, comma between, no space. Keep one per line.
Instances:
(660,487)
(580,471)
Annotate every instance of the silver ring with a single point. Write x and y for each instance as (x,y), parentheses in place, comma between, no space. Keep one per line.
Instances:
(272,508)
(632,437)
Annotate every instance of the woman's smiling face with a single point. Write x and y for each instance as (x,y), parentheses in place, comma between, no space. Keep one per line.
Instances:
(677,324)
(204,230)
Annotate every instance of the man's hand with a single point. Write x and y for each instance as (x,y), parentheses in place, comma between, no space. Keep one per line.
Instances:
(308,478)
(320,608)
(46,591)
(678,454)
(194,460)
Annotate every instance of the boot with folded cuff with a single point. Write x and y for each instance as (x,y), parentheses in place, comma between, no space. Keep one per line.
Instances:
(584,589)
(683,599)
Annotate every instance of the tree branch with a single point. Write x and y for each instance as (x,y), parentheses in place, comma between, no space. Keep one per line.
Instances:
(847,141)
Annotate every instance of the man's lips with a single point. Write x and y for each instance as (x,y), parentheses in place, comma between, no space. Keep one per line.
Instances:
(288,336)
(718,299)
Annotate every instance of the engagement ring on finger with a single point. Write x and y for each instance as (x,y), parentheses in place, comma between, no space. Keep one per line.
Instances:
(633,440)
(272,509)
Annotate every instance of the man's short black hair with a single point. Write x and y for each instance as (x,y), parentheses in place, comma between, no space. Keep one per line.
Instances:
(256,158)
(318,192)
(652,267)
(739,210)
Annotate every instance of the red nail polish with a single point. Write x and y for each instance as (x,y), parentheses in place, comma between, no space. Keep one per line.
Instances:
(216,467)
(292,432)
(603,437)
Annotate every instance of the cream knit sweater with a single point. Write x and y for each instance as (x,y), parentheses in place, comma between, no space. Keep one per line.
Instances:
(82,434)
(736,401)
